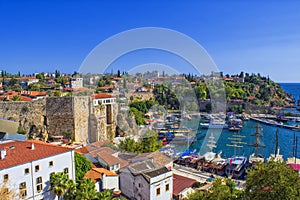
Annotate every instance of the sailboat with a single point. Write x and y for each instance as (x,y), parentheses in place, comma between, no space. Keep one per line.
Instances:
(256,157)
(294,159)
(277,157)
(209,156)
(236,165)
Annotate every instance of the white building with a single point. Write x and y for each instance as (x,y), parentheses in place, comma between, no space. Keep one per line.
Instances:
(76,83)
(103,99)
(104,179)
(146,181)
(26,167)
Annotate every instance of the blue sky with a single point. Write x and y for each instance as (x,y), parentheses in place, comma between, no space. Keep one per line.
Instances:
(250,36)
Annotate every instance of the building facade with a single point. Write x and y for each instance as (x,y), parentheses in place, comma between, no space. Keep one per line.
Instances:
(26,167)
(146,181)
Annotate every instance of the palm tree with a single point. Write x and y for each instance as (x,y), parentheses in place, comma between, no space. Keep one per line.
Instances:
(86,190)
(61,184)
(105,195)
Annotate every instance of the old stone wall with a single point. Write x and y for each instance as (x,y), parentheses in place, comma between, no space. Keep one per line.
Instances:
(60,117)
(74,117)
(28,114)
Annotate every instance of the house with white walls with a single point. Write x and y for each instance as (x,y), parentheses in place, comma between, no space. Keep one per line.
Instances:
(146,181)
(26,167)
(104,179)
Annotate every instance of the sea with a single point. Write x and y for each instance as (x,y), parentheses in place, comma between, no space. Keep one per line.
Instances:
(223,137)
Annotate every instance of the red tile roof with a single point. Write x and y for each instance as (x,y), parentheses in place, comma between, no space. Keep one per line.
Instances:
(108,158)
(94,175)
(180,183)
(296,167)
(105,171)
(22,152)
(101,96)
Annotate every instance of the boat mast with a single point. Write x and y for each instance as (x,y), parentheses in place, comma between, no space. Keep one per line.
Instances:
(257,143)
(276,146)
(211,143)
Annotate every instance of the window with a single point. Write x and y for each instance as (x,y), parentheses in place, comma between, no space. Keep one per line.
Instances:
(5,177)
(167,187)
(23,190)
(157,191)
(37,168)
(50,163)
(26,171)
(66,171)
(39,184)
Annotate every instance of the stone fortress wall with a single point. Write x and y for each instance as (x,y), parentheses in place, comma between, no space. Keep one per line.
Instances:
(71,117)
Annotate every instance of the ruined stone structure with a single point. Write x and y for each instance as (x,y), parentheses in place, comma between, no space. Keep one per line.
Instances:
(73,118)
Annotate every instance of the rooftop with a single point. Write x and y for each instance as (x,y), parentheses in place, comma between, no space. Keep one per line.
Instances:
(180,183)
(20,152)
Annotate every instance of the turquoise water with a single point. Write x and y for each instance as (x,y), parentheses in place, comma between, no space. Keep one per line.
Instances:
(285,136)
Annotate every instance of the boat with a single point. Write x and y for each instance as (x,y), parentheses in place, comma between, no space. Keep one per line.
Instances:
(236,167)
(277,157)
(234,128)
(218,165)
(209,156)
(236,141)
(214,125)
(256,157)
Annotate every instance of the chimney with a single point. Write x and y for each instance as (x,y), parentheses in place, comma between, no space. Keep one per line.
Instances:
(32,146)
(2,154)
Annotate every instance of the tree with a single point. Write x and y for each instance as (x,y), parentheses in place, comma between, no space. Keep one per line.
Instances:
(82,166)
(6,193)
(34,87)
(149,142)
(272,180)
(57,93)
(221,189)
(61,184)
(85,190)
(16,98)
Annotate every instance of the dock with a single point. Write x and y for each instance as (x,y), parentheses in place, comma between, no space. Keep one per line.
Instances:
(275,124)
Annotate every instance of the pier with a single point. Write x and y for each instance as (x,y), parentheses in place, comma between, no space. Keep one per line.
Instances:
(274,124)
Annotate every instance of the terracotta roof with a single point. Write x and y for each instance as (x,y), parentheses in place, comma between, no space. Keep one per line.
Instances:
(105,171)
(99,144)
(108,158)
(94,152)
(101,96)
(180,183)
(25,98)
(82,150)
(158,157)
(296,167)
(22,152)
(93,174)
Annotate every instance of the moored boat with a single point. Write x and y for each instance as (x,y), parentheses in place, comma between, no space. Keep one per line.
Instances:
(236,167)
(256,157)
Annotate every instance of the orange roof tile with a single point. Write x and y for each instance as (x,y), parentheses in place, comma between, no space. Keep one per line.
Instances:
(22,152)
(105,171)
(94,175)
(101,96)
(180,183)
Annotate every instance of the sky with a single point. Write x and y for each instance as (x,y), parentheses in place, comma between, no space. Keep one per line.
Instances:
(251,36)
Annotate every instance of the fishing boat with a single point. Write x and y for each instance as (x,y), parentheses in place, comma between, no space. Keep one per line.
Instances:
(236,167)
(209,156)
(218,165)
(277,157)
(256,157)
